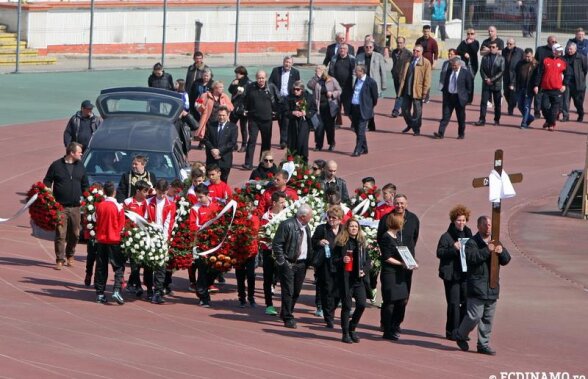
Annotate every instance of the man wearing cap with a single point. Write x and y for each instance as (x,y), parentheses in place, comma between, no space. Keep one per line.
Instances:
(81,126)
(552,79)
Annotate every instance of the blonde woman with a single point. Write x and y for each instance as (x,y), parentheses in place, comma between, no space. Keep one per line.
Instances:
(326,91)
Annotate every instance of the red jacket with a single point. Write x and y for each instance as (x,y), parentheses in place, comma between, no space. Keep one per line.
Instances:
(200,214)
(168,215)
(382,209)
(221,191)
(110,220)
(266,200)
(130,204)
(553,72)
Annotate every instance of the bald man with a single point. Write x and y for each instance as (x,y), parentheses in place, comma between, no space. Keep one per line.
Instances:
(512,56)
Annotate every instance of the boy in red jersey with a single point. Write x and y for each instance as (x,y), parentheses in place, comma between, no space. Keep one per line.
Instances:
(137,204)
(217,189)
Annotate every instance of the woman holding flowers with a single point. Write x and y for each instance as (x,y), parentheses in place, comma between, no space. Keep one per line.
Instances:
(301,108)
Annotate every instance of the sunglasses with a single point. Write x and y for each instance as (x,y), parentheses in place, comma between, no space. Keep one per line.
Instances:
(315,168)
(268,160)
(471,34)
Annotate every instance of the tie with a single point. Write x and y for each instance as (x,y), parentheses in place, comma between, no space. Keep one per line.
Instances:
(453,84)
(220,129)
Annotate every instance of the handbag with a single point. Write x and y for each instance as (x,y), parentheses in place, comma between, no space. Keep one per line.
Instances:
(315,122)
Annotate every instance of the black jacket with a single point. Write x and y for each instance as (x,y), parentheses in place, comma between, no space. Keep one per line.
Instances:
(262,103)
(449,258)
(285,243)
(164,81)
(578,64)
(194,73)
(331,52)
(225,142)
(409,234)
(261,173)
(80,129)
(465,85)
(511,58)
(324,232)
(340,185)
(67,188)
(478,260)
(237,98)
(361,262)
(494,71)
(276,78)
(525,76)
(126,185)
(471,49)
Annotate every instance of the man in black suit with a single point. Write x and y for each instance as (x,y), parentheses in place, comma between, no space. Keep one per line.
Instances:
(458,91)
(220,139)
(491,70)
(283,78)
(333,49)
(293,251)
(341,68)
(363,101)
(512,56)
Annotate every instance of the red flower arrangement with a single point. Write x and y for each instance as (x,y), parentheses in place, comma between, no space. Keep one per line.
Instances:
(91,197)
(251,191)
(45,212)
(303,180)
(369,197)
(182,239)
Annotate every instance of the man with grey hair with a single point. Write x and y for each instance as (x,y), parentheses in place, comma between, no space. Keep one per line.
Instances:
(578,67)
(512,56)
(415,83)
(369,38)
(292,250)
(375,69)
(400,56)
(283,78)
(333,49)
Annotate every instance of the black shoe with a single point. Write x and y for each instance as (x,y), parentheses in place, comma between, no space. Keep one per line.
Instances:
(395,113)
(510,112)
(242,303)
(580,118)
(149,295)
(291,324)
(438,135)
(496,122)
(537,115)
(486,350)
(331,147)
(168,291)
(88,280)
(318,148)
(406,130)
(460,137)
(449,336)
(221,279)
(329,324)
(252,304)
(416,134)
(364,152)
(247,167)
(565,118)
(101,299)
(139,292)
(282,146)
(391,336)
(157,299)
(346,339)
(242,149)
(356,154)
(235,148)
(354,337)
(116,296)
(480,123)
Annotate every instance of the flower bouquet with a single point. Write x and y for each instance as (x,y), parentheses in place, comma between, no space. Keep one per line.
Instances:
(45,212)
(370,229)
(91,197)
(364,202)
(182,239)
(302,179)
(251,191)
(147,246)
(211,237)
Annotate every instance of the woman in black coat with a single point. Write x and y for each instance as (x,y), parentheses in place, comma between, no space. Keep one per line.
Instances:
(394,279)
(237,91)
(301,108)
(266,169)
(323,241)
(450,270)
(353,263)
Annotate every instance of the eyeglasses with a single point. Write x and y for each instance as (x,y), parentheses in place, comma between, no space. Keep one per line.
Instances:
(268,160)
(297,89)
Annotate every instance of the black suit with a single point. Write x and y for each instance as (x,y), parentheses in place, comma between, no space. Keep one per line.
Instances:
(458,101)
(276,79)
(225,142)
(332,51)
(492,67)
(361,113)
(512,56)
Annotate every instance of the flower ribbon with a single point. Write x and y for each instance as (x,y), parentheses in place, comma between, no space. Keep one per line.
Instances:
(230,205)
(21,210)
(362,207)
(143,224)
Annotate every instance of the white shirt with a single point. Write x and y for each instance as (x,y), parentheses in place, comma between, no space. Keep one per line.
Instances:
(357,89)
(159,204)
(284,86)
(304,244)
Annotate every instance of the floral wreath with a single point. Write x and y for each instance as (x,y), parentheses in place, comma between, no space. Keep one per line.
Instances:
(91,197)
(146,245)
(364,202)
(45,212)
(182,239)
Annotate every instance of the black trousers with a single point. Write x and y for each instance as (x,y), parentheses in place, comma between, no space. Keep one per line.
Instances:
(327,128)
(402,307)
(550,105)
(134,277)
(412,111)
(109,253)
(298,134)
(355,291)
(291,279)
(373,281)
(451,103)
(256,127)
(247,272)
(91,250)
(154,277)
(242,127)
(391,314)
(455,295)
(577,97)
(511,97)
(359,125)
(496,96)
(192,273)
(206,277)
(328,292)
(269,268)
(283,122)
(225,171)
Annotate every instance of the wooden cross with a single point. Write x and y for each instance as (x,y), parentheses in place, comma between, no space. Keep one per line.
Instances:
(495,236)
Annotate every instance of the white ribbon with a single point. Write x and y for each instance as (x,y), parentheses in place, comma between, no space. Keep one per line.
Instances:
(143,224)
(230,205)
(21,210)
(289,167)
(500,187)
(362,207)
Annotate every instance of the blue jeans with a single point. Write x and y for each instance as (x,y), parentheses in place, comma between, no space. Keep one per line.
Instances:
(524,105)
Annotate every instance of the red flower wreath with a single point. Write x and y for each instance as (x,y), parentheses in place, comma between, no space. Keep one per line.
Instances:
(45,212)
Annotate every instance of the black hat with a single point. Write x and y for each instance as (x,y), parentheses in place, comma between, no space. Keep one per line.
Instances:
(87,104)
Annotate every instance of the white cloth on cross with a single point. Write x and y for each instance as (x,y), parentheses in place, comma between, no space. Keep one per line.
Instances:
(500,186)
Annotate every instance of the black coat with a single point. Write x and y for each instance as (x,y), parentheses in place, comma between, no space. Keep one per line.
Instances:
(262,103)
(511,58)
(67,188)
(330,53)
(409,234)
(80,129)
(361,262)
(285,244)
(493,72)
(324,232)
(449,258)
(261,173)
(525,76)
(276,78)
(224,141)
(340,185)
(394,278)
(478,260)
(164,81)
(471,49)
(578,64)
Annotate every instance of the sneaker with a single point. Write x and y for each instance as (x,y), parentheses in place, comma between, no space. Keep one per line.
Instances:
(252,303)
(318,312)
(116,296)
(101,299)
(139,291)
(168,291)
(242,303)
(131,290)
(486,350)
(373,295)
(157,299)
(271,311)
(59,265)
(70,262)
(291,324)
(204,304)
(213,289)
